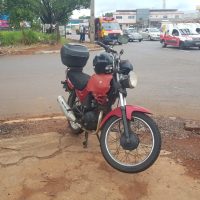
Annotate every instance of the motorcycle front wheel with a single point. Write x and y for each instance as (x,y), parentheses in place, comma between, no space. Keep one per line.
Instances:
(131,161)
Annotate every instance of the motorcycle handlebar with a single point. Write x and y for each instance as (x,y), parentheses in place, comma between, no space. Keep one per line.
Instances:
(106,47)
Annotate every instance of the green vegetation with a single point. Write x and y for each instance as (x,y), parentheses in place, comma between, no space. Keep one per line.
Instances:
(26,37)
(49,11)
(36,12)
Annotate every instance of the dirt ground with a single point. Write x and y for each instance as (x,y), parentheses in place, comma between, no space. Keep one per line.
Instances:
(42,160)
(38,48)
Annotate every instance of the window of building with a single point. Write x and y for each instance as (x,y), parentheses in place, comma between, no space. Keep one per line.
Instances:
(165,17)
(118,17)
(131,17)
(176,16)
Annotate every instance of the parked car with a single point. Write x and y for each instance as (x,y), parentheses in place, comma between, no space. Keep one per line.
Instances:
(132,35)
(151,34)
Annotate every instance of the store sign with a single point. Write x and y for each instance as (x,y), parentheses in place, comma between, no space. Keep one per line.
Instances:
(4,24)
(142,15)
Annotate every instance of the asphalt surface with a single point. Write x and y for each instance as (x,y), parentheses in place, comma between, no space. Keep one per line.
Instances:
(168,81)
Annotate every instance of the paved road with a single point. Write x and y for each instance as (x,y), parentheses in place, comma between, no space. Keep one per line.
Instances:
(168,81)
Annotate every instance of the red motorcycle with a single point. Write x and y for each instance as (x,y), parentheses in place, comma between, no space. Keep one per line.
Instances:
(130,140)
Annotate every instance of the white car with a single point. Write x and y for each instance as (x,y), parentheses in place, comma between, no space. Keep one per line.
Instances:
(151,34)
(132,35)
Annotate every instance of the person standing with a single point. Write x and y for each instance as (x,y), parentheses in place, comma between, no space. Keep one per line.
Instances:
(84,32)
(81,33)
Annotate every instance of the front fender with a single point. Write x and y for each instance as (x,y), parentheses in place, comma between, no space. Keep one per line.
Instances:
(129,110)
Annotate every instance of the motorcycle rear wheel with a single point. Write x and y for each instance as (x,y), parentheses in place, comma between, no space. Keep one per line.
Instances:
(73,101)
(131,161)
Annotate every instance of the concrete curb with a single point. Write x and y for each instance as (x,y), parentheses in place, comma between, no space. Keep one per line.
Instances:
(33,119)
(58,51)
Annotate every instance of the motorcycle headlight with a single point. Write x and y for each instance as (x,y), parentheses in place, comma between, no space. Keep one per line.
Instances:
(132,80)
(105,33)
(129,81)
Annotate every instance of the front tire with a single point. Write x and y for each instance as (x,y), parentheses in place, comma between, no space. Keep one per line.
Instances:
(128,160)
(164,45)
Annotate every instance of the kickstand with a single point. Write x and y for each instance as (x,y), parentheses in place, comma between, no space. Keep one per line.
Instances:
(85,143)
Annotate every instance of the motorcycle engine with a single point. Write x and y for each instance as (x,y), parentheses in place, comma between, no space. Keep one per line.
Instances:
(90,120)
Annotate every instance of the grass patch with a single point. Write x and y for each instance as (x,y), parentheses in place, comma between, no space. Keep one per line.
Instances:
(26,37)
(10,38)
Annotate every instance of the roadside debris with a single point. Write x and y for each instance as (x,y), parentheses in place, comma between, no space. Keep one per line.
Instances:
(193,126)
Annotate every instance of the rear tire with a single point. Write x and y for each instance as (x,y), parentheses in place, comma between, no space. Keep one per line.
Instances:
(149,37)
(115,159)
(72,102)
(181,46)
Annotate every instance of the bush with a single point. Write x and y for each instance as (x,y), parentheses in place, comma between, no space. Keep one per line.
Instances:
(29,37)
(26,37)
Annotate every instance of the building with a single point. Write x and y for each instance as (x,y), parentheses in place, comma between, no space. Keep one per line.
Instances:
(191,16)
(75,23)
(146,17)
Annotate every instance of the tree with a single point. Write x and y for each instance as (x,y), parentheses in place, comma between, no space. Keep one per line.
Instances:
(2,7)
(20,10)
(50,11)
(108,15)
(59,11)
(84,17)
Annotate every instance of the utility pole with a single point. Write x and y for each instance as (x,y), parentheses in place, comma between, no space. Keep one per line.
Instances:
(164,4)
(92,18)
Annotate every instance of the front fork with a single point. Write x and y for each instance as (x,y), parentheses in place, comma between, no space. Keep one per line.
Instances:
(129,140)
(124,118)
(123,110)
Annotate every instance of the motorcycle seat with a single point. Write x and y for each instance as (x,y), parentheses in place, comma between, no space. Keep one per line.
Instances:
(78,79)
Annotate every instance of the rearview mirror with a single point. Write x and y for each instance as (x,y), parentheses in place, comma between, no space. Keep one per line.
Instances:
(122,39)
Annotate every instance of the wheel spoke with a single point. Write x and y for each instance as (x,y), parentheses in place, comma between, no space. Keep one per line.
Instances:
(136,156)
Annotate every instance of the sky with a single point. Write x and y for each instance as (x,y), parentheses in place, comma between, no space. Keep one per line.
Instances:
(103,6)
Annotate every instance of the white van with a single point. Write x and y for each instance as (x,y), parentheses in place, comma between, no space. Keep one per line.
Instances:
(194,27)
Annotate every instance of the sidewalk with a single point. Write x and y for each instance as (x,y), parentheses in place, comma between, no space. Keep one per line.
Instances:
(41,49)
(53,165)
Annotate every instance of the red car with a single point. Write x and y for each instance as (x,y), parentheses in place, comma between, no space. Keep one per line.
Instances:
(182,38)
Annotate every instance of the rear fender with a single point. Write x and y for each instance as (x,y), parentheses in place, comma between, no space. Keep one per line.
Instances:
(69,85)
(129,110)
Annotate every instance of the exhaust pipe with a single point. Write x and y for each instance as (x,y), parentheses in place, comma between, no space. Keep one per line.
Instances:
(66,109)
